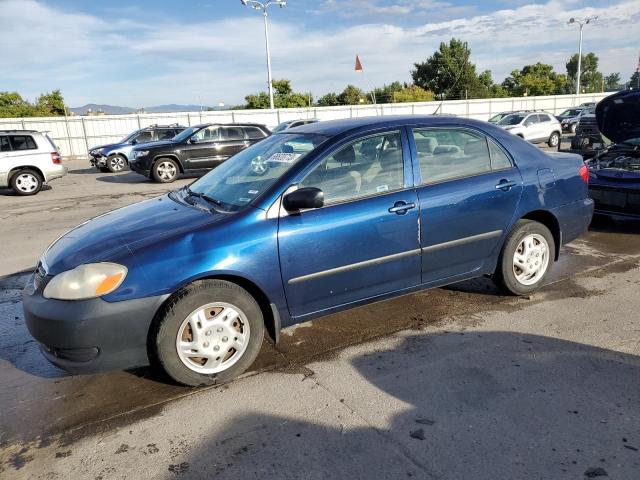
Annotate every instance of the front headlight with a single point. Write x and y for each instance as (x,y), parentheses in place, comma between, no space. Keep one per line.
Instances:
(86,281)
(142,153)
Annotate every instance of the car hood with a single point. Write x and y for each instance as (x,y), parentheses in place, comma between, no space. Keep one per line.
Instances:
(618,116)
(122,231)
(158,144)
(109,146)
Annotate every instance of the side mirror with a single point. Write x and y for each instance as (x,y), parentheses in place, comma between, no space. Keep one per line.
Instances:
(193,139)
(307,197)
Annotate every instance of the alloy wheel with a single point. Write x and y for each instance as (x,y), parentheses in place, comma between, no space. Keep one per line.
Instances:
(117,163)
(167,170)
(27,182)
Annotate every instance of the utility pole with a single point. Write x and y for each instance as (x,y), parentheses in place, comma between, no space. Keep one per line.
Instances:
(581,22)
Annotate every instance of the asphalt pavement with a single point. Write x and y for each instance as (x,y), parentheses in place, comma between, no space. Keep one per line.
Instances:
(451,383)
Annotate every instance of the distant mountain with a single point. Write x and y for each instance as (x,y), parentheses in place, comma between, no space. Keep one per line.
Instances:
(113,110)
(108,109)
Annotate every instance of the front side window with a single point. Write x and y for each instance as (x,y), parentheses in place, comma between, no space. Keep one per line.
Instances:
(144,136)
(531,119)
(465,155)
(207,134)
(238,181)
(22,142)
(4,144)
(370,166)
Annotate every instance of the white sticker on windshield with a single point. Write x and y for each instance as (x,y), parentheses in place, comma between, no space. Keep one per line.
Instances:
(252,192)
(284,157)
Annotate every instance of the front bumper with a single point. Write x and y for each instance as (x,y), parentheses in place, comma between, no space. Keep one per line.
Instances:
(616,201)
(88,336)
(97,160)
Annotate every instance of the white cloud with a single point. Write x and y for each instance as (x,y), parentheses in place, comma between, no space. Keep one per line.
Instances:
(136,63)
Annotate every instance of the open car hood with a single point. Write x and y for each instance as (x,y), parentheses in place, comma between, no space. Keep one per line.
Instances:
(618,116)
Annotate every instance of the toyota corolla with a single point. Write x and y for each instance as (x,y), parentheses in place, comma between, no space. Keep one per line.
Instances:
(317,219)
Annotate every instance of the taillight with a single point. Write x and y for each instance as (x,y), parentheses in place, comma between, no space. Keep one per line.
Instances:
(584,174)
(55,158)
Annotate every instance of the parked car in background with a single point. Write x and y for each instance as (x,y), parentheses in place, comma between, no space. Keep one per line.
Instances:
(348,212)
(570,124)
(293,123)
(535,127)
(589,104)
(588,140)
(615,171)
(28,159)
(197,148)
(115,157)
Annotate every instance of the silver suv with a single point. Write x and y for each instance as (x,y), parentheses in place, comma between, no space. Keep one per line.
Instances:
(534,127)
(28,159)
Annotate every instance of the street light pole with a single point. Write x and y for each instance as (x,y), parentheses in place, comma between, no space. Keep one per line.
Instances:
(256,5)
(581,22)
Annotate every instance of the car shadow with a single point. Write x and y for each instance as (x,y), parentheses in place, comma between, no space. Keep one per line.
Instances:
(132,177)
(84,171)
(481,405)
(605,224)
(8,192)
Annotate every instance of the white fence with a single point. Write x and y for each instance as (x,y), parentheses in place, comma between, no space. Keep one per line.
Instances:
(75,135)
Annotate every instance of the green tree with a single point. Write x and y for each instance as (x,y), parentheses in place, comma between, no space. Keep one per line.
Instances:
(537,79)
(352,95)
(590,78)
(449,73)
(52,103)
(612,82)
(328,100)
(413,93)
(283,97)
(634,82)
(387,92)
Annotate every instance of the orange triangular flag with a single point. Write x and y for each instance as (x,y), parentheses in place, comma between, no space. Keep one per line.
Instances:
(358,65)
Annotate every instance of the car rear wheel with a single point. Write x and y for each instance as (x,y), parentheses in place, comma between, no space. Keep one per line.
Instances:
(526,258)
(554,139)
(209,333)
(26,182)
(165,170)
(116,163)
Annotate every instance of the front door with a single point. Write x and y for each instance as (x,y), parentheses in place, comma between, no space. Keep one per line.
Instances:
(201,149)
(469,190)
(364,241)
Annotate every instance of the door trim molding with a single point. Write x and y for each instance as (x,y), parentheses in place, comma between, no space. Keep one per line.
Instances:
(353,266)
(462,241)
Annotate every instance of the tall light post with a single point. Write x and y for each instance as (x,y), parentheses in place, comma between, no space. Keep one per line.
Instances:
(263,6)
(582,22)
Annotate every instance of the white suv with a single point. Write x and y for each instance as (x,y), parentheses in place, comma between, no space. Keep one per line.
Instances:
(28,159)
(535,127)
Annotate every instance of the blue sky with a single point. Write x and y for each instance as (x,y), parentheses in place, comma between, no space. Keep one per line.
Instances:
(208,51)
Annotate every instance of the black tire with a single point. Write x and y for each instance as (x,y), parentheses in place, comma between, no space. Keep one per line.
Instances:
(164,331)
(505,276)
(26,182)
(165,170)
(116,163)
(554,139)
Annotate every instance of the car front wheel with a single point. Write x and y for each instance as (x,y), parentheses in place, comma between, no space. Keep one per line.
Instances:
(116,163)
(26,182)
(526,258)
(209,333)
(165,170)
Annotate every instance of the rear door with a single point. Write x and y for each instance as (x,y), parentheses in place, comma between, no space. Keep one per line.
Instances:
(232,141)
(467,198)
(364,242)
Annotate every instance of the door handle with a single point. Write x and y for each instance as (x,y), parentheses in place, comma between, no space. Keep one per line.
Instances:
(401,207)
(505,185)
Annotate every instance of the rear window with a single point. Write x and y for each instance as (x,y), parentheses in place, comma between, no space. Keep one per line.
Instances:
(22,142)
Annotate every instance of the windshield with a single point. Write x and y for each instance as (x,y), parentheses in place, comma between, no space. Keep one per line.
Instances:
(238,181)
(512,120)
(497,117)
(281,127)
(188,133)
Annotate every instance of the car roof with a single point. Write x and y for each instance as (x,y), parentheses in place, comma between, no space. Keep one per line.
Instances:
(19,131)
(336,127)
(201,125)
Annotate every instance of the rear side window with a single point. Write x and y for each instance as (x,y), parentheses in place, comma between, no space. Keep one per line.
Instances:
(499,159)
(254,133)
(232,133)
(4,144)
(22,142)
(466,155)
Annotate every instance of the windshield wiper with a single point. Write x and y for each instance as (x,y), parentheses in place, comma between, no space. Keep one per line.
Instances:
(203,196)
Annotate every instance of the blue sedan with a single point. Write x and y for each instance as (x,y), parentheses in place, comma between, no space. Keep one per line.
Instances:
(321,218)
